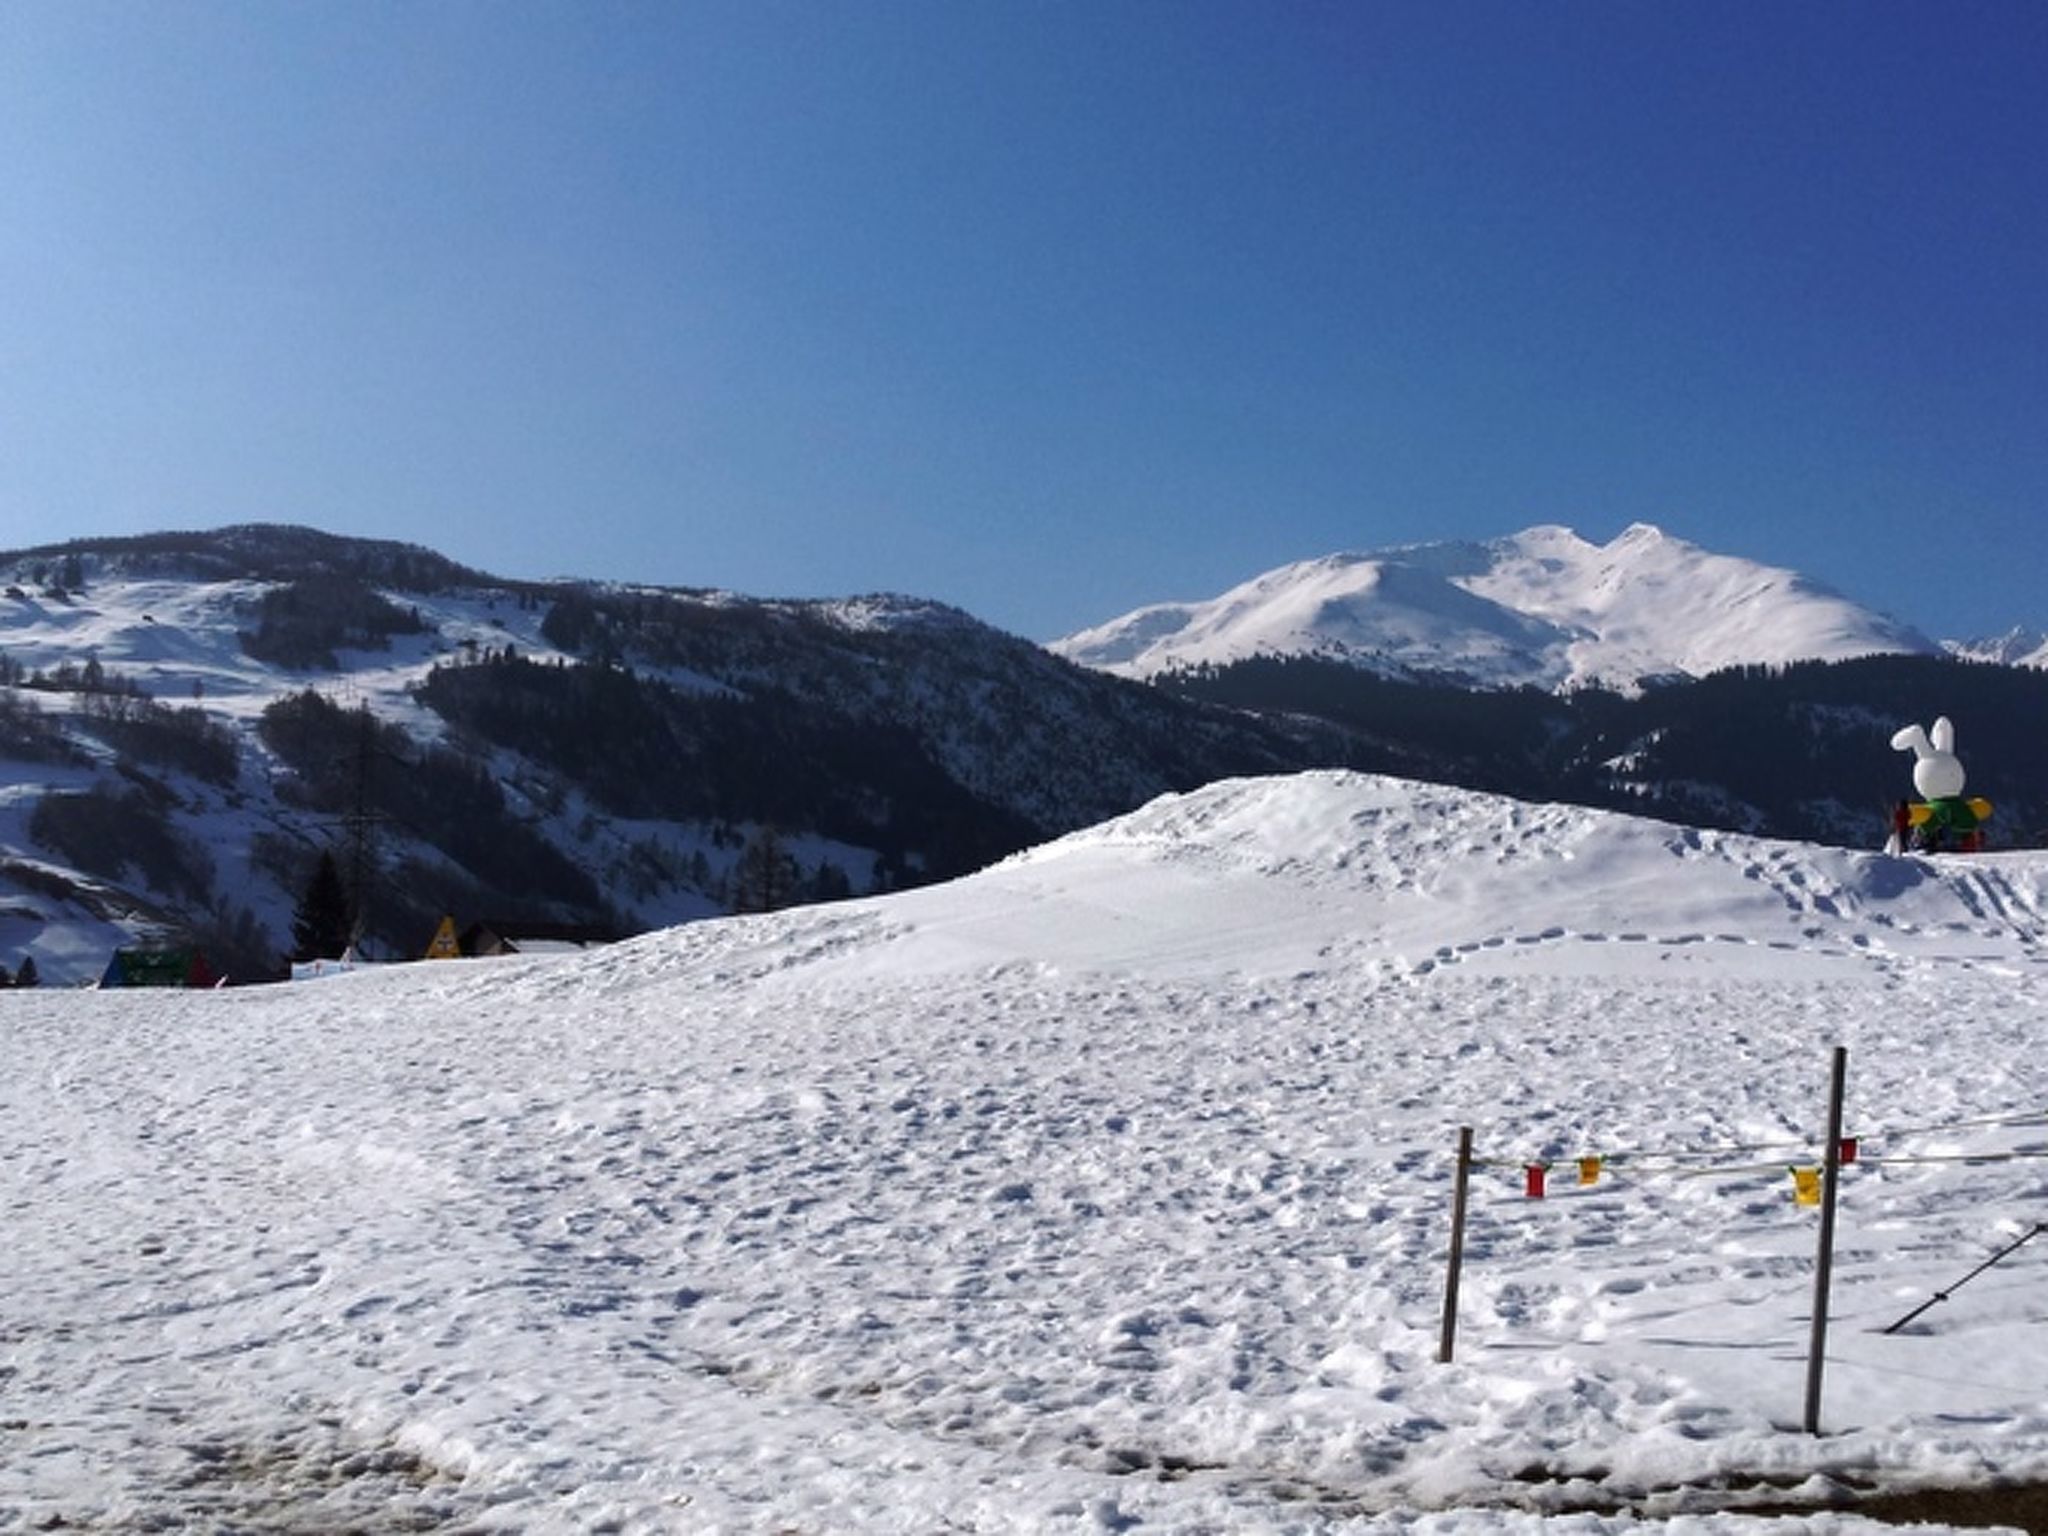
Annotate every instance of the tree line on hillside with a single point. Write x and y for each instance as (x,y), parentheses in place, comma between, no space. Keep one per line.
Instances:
(1504,741)
(1046,743)
(87,677)
(679,629)
(436,828)
(1810,743)
(58,581)
(245,551)
(119,711)
(642,748)
(1800,751)
(301,624)
(28,735)
(120,830)
(184,738)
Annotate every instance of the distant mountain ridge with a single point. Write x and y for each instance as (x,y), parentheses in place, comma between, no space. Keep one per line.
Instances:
(2017,647)
(1542,608)
(189,721)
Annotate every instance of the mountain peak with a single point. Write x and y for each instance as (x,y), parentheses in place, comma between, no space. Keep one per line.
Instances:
(2017,647)
(1543,607)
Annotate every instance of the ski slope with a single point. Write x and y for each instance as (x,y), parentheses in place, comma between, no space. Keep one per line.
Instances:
(1105,1190)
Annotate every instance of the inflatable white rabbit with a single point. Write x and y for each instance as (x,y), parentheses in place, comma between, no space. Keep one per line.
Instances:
(1937,771)
(1938,775)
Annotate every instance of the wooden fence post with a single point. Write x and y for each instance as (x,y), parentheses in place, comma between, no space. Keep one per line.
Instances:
(1464,1181)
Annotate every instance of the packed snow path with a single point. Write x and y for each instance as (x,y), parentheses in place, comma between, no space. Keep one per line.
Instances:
(1108,1189)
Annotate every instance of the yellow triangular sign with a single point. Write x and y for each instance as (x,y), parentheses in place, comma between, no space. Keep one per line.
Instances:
(445,945)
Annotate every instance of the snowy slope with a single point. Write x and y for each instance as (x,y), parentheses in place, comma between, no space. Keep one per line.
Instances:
(580,752)
(1543,608)
(1105,1190)
(179,640)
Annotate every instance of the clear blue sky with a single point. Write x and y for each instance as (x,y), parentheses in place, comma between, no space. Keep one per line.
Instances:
(1046,309)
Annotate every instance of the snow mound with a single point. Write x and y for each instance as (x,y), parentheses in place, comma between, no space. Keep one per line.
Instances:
(1265,875)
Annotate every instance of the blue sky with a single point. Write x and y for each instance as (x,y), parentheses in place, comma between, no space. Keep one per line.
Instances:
(1045,309)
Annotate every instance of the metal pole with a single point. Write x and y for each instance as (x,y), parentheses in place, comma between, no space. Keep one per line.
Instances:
(1824,1266)
(1464,1181)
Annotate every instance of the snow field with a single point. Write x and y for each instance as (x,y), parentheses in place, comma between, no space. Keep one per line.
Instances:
(1106,1190)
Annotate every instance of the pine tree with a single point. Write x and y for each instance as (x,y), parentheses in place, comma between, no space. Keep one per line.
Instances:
(323,922)
(828,883)
(27,976)
(765,877)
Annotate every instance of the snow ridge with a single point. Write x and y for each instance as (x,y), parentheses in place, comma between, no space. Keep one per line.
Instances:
(2017,647)
(1541,608)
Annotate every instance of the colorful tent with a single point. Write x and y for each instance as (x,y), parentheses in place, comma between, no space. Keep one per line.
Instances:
(159,968)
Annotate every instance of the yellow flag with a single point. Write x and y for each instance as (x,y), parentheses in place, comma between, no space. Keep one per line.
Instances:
(1806,1186)
(1589,1170)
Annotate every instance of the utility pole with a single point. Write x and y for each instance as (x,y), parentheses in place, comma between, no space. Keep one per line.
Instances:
(360,826)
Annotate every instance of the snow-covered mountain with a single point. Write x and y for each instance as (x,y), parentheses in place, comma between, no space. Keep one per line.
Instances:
(187,720)
(1542,608)
(1106,1190)
(2017,647)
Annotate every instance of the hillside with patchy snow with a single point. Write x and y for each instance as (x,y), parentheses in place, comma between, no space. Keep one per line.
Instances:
(188,721)
(1543,608)
(1106,1190)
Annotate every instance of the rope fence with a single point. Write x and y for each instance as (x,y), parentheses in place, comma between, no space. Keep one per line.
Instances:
(1815,1167)
(1591,1167)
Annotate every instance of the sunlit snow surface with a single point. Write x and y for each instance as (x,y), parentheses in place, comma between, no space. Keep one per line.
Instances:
(1542,608)
(1108,1189)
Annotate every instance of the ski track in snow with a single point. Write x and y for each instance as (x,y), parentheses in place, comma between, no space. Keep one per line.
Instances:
(1108,1190)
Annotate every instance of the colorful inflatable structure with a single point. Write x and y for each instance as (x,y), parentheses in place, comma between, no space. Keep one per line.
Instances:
(1943,819)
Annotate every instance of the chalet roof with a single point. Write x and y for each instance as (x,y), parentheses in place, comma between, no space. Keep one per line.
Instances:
(497,936)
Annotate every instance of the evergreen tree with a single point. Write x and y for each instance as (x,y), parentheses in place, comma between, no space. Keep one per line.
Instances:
(27,976)
(765,878)
(323,923)
(829,883)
